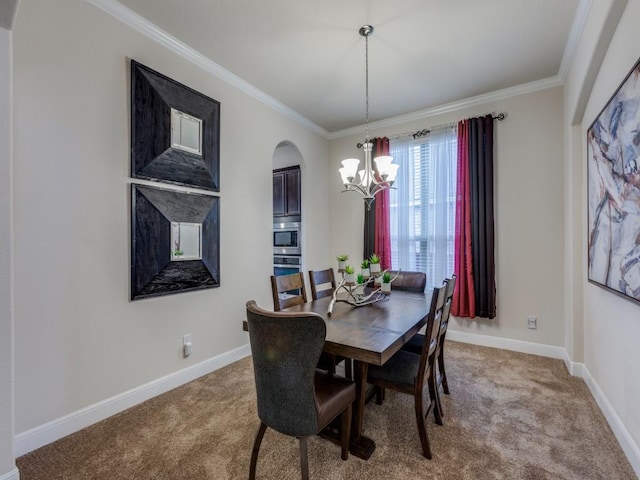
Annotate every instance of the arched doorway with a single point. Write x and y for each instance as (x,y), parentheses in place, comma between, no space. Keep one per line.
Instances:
(287,210)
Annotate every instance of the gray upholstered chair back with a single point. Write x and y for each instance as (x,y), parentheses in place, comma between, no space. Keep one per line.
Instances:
(285,349)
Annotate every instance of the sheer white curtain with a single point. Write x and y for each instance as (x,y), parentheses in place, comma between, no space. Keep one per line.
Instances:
(422,208)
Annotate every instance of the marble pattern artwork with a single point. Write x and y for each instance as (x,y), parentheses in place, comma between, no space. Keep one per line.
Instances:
(613,156)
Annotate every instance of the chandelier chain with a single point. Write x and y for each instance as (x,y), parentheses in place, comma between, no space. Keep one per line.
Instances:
(366,82)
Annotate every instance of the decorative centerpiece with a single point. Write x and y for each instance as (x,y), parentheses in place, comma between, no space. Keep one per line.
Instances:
(363,289)
(374,264)
(385,286)
(342,261)
(349,275)
(365,268)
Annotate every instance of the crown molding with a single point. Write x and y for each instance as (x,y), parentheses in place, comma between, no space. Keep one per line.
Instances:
(577,27)
(530,87)
(152,31)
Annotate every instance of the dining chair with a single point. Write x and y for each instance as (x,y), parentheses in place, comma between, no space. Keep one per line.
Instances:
(408,373)
(415,344)
(323,284)
(409,281)
(282,284)
(293,397)
(318,278)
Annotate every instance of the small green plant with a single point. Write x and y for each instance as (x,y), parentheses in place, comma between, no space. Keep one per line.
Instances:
(374,259)
(343,257)
(386,277)
(178,253)
(365,264)
(360,279)
(349,269)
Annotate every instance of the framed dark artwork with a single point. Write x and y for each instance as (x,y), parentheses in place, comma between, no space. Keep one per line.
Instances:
(613,184)
(175,131)
(175,241)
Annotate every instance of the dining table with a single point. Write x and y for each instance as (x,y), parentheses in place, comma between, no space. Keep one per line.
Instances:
(369,335)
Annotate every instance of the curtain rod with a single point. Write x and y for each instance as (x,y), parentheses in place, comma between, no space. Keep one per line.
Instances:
(422,133)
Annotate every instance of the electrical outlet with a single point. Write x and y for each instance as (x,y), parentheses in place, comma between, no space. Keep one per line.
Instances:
(532,322)
(186,345)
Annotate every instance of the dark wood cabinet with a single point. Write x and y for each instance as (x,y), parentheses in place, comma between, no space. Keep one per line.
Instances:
(286,192)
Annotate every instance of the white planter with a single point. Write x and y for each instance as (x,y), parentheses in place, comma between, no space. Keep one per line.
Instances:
(341,265)
(359,290)
(365,273)
(350,278)
(385,287)
(375,268)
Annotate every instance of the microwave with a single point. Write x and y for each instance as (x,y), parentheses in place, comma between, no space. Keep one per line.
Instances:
(286,238)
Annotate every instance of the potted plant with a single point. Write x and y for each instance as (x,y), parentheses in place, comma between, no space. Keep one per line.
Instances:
(349,275)
(374,264)
(342,261)
(385,286)
(359,290)
(365,268)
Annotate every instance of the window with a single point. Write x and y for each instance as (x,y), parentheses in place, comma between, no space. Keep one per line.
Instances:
(422,208)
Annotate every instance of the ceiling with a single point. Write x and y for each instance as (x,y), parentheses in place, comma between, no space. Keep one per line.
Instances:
(423,54)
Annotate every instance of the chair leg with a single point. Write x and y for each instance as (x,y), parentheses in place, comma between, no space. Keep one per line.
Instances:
(256,448)
(422,428)
(380,394)
(304,459)
(435,398)
(346,432)
(443,373)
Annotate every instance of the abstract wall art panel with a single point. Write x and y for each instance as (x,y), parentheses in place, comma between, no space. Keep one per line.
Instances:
(613,171)
(175,131)
(175,241)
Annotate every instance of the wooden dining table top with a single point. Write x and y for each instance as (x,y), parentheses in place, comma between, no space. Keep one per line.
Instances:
(371,333)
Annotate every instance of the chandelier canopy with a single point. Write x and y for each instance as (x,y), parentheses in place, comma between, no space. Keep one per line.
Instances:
(369,180)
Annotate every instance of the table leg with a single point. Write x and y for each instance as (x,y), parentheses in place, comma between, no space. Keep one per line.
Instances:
(360,445)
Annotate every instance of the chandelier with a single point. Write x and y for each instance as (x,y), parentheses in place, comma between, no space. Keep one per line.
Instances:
(368,181)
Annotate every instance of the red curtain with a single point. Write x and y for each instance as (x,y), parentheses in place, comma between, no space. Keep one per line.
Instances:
(463,304)
(474,264)
(382,239)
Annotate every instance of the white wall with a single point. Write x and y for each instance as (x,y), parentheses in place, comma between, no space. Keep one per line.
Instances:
(78,338)
(611,323)
(7,464)
(529,217)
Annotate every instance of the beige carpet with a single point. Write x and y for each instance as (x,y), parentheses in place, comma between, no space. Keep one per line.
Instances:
(509,416)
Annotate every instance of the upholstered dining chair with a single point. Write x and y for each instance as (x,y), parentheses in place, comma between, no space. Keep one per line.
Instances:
(409,281)
(411,374)
(293,397)
(323,284)
(415,345)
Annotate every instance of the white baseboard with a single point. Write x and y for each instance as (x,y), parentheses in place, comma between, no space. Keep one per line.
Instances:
(30,440)
(629,446)
(12,475)
(550,351)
